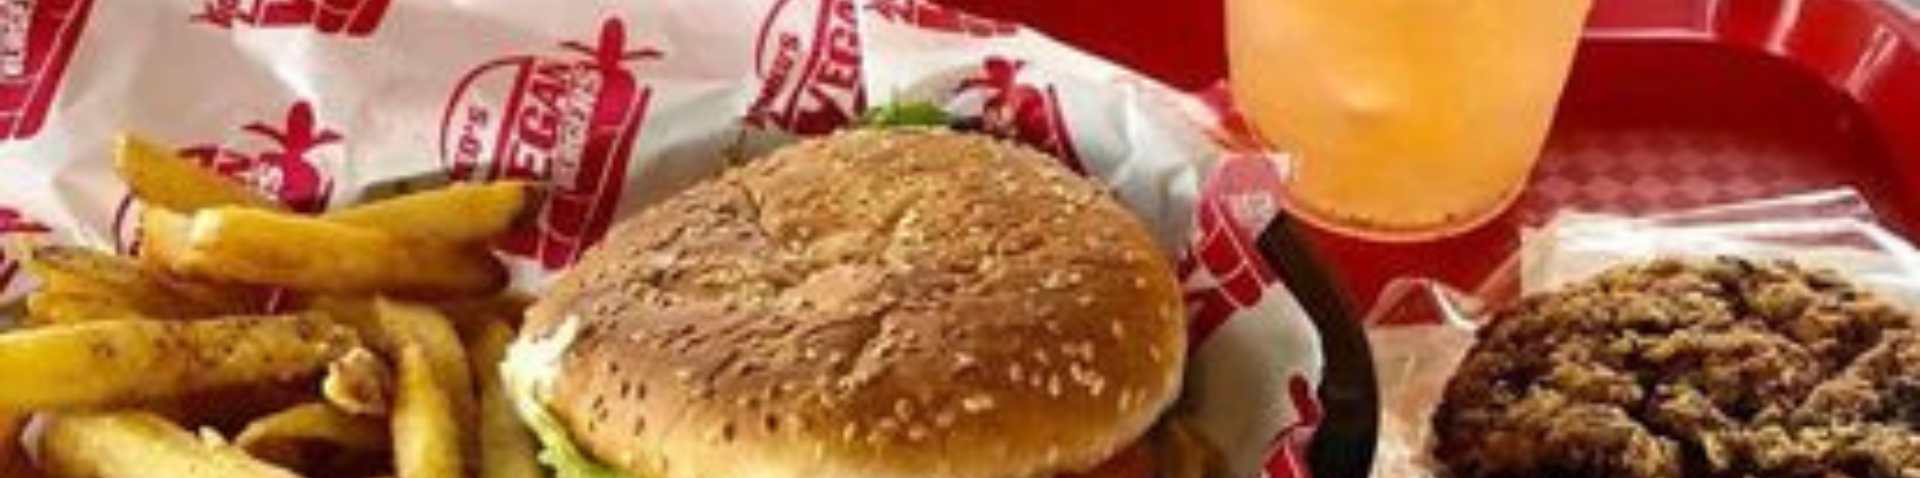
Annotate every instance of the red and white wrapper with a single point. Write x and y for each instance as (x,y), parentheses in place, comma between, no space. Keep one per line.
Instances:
(322,103)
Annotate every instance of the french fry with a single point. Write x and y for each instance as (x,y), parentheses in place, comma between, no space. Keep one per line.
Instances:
(507,450)
(459,213)
(163,237)
(359,383)
(115,362)
(140,445)
(49,307)
(164,179)
(426,433)
(304,253)
(408,324)
(296,437)
(83,270)
(232,407)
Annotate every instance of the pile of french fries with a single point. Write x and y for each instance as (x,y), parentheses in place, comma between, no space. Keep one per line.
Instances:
(248,341)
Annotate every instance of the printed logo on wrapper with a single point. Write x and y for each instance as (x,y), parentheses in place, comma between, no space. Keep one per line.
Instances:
(1011,107)
(569,120)
(356,18)
(13,222)
(925,14)
(37,38)
(1225,275)
(808,61)
(286,166)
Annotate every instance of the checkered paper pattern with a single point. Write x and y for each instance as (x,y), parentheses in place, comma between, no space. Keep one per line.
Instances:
(1643,171)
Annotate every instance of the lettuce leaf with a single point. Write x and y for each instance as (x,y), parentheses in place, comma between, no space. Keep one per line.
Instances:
(559,452)
(918,113)
(529,368)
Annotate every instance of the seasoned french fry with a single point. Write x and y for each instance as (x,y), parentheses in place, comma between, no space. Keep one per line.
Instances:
(140,445)
(232,407)
(359,383)
(164,179)
(262,247)
(89,271)
(48,307)
(163,237)
(291,437)
(507,449)
(114,362)
(458,213)
(426,433)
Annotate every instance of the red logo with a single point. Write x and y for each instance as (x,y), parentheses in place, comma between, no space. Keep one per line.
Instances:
(342,17)
(568,120)
(283,172)
(1020,111)
(1286,460)
(11,222)
(284,169)
(37,37)
(809,68)
(1223,270)
(925,14)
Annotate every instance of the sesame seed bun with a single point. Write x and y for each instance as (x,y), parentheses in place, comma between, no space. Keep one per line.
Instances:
(878,303)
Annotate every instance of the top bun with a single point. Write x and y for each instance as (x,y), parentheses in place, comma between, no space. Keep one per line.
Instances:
(878,303)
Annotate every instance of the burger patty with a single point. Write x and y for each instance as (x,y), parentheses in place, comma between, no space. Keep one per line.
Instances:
(1720,368)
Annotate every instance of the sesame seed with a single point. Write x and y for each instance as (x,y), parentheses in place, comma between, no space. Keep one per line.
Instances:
(977,403)
(903,409)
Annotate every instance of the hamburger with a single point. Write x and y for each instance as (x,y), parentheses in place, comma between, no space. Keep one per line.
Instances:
(901,302)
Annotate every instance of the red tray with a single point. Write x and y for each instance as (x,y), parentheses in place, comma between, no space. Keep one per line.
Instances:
(1671,104)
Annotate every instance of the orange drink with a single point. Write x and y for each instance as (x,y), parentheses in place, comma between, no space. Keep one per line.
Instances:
(1406,119)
